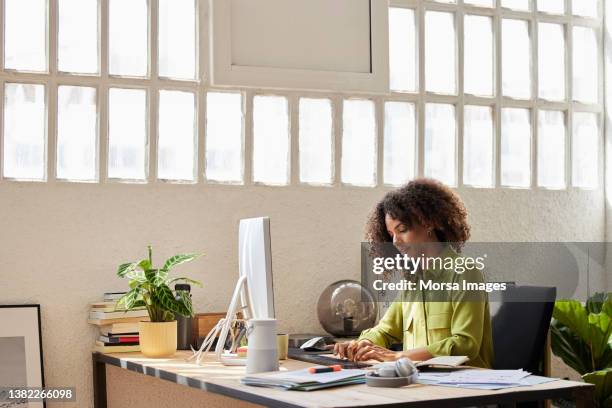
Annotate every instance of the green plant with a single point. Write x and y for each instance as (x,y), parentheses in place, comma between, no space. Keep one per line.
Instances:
(150,288)
(581,335)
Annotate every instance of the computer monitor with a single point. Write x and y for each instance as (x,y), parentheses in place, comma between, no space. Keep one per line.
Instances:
(254,293)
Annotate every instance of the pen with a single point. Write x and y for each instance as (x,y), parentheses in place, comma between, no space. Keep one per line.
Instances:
(324,369)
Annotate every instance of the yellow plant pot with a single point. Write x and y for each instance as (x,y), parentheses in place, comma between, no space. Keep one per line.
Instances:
(158,339)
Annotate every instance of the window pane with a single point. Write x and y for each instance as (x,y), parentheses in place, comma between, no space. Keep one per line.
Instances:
(78,36)
(176,144)
(585,65)
(77,133)
(587,8)
(24,131)
(315,141)
(270,140)
(516,4)
(400,142)
(25,44)
(552,6)
(128,38)
(177,39)
(478,146)
(516,148)
(402,49)
(440,62)
(551,149)
(478,55)
(484,3)
(224,137)
(127,134)
(440,141)
(585,150)
(516,59)
(358,165)
(551,61)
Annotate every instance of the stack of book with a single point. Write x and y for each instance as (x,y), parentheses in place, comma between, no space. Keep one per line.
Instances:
(118,328)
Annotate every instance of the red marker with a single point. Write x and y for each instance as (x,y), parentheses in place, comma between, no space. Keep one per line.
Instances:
(324,369)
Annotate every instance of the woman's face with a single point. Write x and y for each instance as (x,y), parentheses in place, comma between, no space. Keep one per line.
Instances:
(408,241)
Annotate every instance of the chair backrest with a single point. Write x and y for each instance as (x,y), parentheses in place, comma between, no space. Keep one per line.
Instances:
(520,323)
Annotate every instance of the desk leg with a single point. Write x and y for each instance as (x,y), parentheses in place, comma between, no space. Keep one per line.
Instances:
(99,383)
(585,398)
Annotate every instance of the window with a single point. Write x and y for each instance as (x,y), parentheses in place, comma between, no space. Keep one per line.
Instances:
(402,49)
(270,140)
(585,8)
(176,143)
(128,37)
(516,148)
(440,143)
(400,143)
(551,149)
(585,65)
(316,132)
(358,165)
(25,30)
(78,48)
(478,146)
(24,132)
(585,147)
(77,134)
(177,39)
(516,4)
(224,137)
(552,6)
(127,134)
(482,93)
(516,59)
(478,55)
(440,65)
(551,61)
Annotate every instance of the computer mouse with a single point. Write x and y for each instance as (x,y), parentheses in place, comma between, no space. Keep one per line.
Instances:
(315,344)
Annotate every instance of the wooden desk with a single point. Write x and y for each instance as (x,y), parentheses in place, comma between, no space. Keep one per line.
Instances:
(212,377)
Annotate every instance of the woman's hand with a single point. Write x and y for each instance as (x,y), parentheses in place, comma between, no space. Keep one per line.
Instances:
(374,352)
(348,349)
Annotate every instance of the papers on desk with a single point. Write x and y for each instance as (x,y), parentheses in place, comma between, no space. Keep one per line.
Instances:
(483,379)
(302,380)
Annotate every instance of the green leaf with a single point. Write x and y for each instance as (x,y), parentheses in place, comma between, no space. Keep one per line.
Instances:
(186,300)
(179,259)
(572,314)
(145,264)
(602,380)
(570,348)
(165,298)
(127,301)
(161,277)
(126,268)
(185,280)
(600,327)
(151,275)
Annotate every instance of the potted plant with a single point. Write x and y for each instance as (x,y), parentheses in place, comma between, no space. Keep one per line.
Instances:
(581,335)
(150,288)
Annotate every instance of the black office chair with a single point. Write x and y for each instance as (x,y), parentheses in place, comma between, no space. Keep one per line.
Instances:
(520,322)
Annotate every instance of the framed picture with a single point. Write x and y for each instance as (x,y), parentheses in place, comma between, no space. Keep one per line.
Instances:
(21,360)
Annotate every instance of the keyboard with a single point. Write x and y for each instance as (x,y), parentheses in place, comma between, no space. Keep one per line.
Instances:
(301,355)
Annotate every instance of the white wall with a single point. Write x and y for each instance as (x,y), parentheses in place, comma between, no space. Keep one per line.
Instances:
(60,245)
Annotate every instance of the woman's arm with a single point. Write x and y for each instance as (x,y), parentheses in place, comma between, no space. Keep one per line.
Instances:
(389,330)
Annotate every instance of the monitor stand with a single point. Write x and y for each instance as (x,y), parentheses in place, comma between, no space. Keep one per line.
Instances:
(223,327)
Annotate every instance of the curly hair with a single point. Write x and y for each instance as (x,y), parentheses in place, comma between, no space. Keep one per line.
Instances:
(422,202)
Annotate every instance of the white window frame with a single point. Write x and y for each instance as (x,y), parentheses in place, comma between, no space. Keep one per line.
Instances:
(498,101)
(201,86)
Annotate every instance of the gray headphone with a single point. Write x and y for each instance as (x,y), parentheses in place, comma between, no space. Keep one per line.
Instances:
(398,374)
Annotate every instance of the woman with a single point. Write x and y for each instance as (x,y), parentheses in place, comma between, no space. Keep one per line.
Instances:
(426,218)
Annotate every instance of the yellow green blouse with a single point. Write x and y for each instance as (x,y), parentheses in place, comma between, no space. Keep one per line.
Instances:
(458,325)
